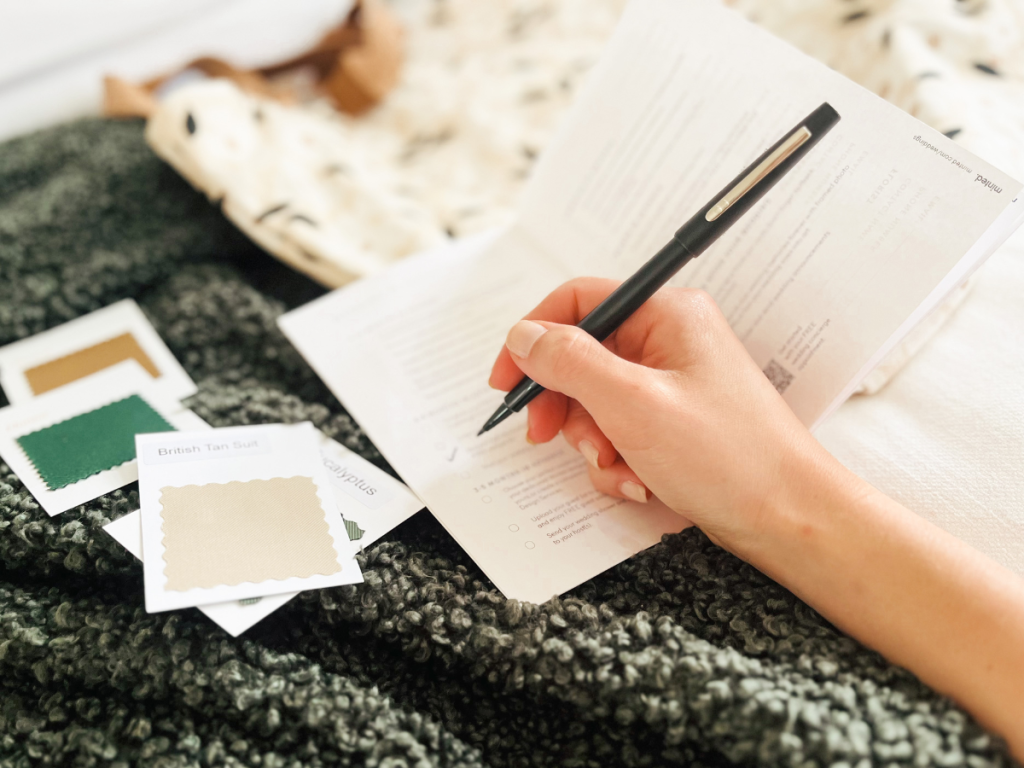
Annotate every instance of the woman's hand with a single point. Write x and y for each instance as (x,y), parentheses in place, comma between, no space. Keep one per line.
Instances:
(671,404)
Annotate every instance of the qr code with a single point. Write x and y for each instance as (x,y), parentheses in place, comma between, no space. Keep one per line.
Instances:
(778,376)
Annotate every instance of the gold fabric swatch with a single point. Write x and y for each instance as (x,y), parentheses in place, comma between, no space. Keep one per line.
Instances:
(232,533)
(84,362)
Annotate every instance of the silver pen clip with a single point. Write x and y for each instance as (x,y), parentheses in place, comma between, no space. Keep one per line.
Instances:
(769,164)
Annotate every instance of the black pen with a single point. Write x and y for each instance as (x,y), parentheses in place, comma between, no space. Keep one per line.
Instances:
(706,226)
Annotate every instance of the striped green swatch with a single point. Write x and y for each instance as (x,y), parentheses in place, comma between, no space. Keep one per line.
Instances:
(355,533)
(90,442)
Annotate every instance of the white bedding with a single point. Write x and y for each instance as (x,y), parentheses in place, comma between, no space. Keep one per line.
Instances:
(946,436)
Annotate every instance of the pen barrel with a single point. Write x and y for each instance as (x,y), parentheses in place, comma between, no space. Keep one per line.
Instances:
(694,237)
(750,186)
(602,321)
(703,229)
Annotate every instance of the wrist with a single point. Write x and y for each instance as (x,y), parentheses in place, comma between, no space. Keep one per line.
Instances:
(805,516)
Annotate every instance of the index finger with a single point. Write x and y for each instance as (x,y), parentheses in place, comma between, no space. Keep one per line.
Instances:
(567,304)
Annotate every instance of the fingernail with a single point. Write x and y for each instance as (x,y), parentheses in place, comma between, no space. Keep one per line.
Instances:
(529,440)
(634,491)
(589,452)
(523,336)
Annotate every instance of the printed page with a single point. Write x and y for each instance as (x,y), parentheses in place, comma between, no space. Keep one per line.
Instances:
(818,278)
(408,352)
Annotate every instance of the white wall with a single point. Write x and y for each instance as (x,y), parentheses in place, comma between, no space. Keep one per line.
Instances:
(54,53)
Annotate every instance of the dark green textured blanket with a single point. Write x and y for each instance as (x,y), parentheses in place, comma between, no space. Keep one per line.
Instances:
(681,656)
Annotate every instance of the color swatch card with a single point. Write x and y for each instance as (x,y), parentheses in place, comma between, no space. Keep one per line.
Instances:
(370,500)
(237,513)
(234,616)
(75,443)
(89,344)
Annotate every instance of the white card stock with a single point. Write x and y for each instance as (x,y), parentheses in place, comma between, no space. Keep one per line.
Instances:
(366,495)
(238,513)
(235,616)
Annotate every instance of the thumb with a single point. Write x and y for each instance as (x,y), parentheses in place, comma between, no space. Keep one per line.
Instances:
(569,360)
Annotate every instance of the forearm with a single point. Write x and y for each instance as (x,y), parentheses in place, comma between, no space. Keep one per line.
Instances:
(899,584)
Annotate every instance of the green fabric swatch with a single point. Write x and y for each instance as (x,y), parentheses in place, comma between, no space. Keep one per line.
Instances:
(91,442)
(355,533)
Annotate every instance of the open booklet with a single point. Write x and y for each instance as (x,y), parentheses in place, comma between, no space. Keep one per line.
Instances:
(820,279)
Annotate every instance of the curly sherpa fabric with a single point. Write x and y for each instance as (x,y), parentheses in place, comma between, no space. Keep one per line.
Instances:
(681,656)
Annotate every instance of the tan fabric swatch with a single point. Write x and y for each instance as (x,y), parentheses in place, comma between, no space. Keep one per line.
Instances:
(231,533)
(84,362)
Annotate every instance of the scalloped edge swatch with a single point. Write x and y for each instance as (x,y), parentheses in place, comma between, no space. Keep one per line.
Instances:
(94,441)
(83,362)
(225,534)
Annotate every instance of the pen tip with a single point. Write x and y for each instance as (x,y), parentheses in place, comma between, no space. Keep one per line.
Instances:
(497,417)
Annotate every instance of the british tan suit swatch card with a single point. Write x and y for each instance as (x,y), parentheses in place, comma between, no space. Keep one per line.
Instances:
(238,513)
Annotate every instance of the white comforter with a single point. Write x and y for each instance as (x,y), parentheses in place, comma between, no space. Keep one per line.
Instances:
(946,435)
